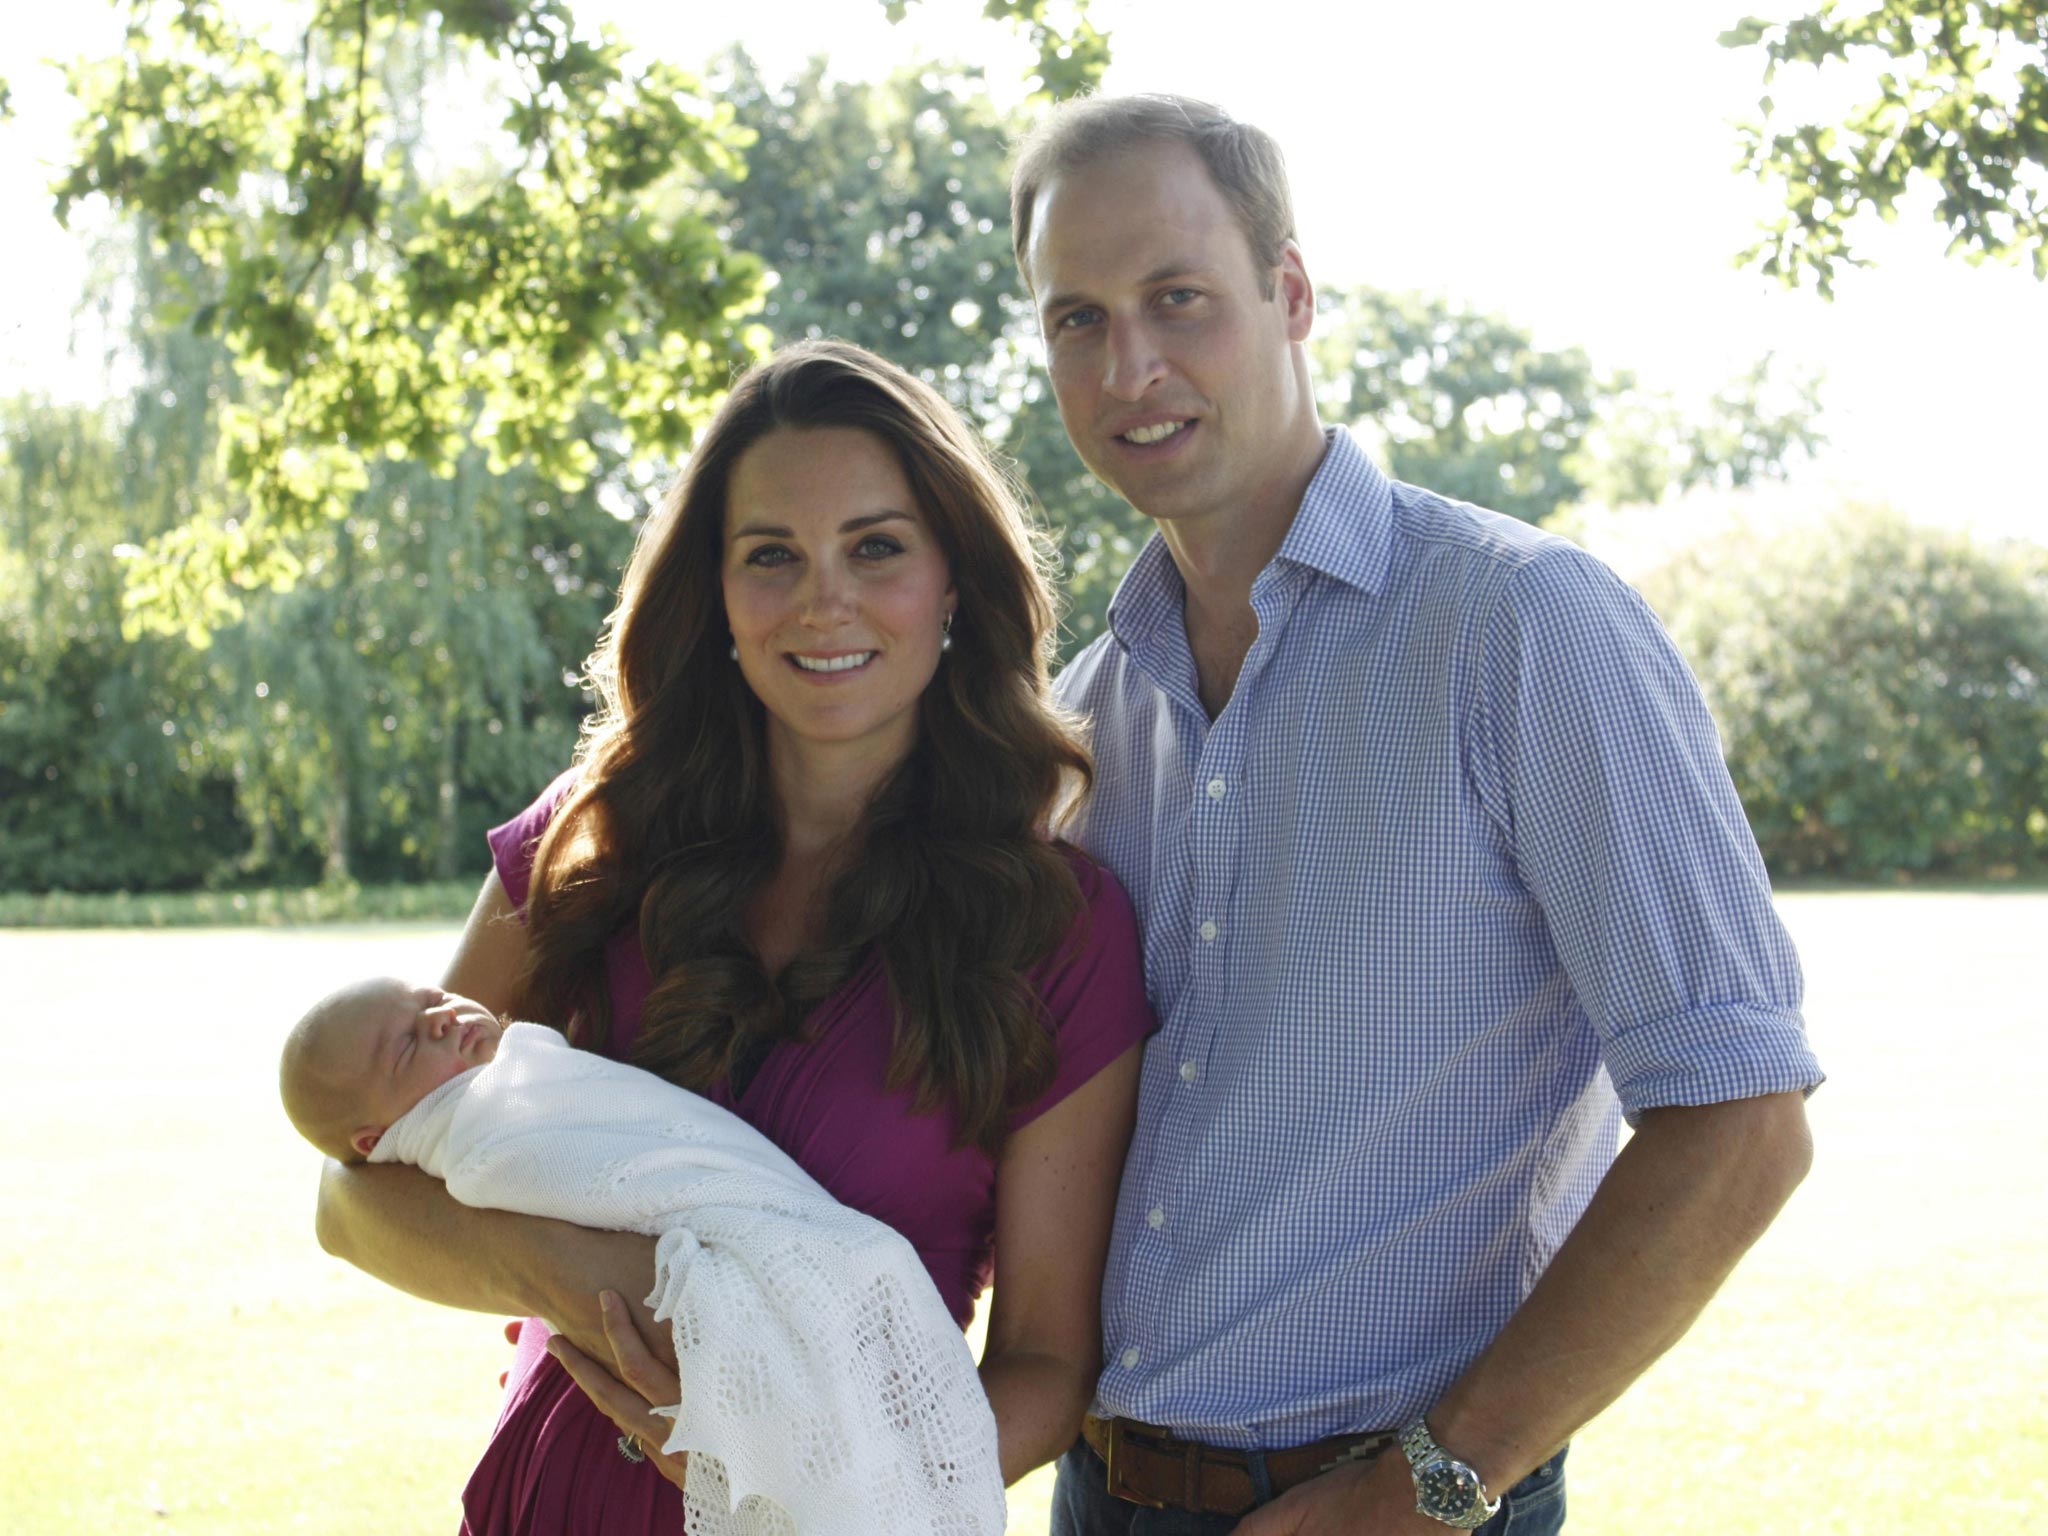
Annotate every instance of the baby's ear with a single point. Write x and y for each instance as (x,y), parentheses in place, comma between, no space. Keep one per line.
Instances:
(365,1140)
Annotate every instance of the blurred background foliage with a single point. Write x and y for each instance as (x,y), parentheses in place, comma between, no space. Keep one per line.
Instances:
(307,599)
(1881,688)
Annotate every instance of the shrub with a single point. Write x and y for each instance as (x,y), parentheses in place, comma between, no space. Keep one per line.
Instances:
(1881,689)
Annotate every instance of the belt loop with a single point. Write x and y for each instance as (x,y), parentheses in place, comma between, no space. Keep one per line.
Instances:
(1262,1478)
(1111,1452)
(1191,1475)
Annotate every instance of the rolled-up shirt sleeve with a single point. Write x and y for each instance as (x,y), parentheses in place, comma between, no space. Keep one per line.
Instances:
(1598,760)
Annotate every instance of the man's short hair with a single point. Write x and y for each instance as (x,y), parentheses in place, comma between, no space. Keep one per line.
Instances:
(1244,162)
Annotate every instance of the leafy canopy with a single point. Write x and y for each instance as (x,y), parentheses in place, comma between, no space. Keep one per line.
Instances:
(1960,100)
(373,312)
(1466,403)
(1882,690)
(372,315)
(1072,54)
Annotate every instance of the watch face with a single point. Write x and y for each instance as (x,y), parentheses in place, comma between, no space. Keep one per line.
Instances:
(1446,1488)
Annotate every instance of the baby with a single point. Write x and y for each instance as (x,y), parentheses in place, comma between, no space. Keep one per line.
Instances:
(831,1391)
(365,1055)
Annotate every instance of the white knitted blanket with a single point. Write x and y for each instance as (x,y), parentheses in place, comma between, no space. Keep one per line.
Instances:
(826,1391)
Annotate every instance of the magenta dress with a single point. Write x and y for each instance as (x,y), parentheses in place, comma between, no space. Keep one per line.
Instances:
(552,1467)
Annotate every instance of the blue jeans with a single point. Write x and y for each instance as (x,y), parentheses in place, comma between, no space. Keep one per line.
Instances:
(1082,1504)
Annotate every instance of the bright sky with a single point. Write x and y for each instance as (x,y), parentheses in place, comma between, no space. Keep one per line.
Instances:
(1568,165)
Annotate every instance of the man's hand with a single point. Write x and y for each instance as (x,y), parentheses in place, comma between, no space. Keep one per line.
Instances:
(1377,1499)
(637,1382)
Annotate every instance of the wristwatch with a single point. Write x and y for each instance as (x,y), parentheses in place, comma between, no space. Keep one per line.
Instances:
(1446,1489)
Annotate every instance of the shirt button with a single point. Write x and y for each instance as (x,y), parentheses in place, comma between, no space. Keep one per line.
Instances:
(1207,930)
(1155,1218)
(1189,1071)
(1130,1357)
(1218,789)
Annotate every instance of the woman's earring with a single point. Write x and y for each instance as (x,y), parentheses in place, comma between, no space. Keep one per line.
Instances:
(732,651)
(946,633)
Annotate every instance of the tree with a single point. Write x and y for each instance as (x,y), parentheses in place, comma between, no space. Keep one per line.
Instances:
(103,784)
(1960,100)
(1882,691)
(1467,404)
(370,314)
(366,723)
(1644,444)
(1071,54)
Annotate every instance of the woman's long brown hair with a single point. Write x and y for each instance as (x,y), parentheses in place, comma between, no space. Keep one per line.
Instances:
(671,824)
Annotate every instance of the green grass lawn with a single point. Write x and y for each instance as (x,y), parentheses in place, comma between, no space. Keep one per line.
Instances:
(181,1358)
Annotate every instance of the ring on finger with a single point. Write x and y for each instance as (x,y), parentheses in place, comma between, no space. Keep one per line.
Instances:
(629,1448)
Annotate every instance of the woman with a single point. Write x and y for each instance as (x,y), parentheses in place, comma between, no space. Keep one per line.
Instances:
(801,867)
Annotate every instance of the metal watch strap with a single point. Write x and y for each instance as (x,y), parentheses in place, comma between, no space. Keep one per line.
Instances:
(1427,1460)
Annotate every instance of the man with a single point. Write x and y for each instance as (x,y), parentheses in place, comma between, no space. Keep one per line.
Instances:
(1440,874)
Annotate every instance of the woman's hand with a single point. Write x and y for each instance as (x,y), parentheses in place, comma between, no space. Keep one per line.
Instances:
(636,1383)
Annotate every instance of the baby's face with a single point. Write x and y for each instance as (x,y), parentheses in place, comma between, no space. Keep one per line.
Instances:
(408,1041)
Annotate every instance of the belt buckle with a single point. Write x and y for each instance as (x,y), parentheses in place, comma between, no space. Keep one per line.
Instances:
(1113,1459)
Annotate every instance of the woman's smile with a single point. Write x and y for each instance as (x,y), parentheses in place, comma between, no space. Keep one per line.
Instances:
(833,666)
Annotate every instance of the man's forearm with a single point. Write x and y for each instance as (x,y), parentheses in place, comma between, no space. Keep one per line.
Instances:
(1689,1194)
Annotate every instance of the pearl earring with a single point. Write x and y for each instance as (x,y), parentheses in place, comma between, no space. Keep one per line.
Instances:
(946,633)
(733,651)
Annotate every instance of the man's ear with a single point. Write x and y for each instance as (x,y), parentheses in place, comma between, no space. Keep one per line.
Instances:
(1297,293)
(366,1138)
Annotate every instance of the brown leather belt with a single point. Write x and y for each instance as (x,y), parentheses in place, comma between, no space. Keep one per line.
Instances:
(1156,1467)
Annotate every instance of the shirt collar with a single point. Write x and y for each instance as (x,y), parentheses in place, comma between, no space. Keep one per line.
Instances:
(1344,529)
(1150,594)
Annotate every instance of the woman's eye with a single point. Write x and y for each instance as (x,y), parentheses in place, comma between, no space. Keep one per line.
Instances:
(769,554)
(877,546)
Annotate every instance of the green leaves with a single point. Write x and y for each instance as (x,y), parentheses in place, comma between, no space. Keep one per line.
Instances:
(373,315)
(567,265)
(1882,690)
(1967,112)
(1463,402)
(1072,54)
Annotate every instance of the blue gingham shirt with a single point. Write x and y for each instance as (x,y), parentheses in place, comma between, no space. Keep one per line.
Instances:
(1455,879)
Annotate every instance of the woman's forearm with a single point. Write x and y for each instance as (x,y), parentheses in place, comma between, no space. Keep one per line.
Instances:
(1038,1401)
(403,1227)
